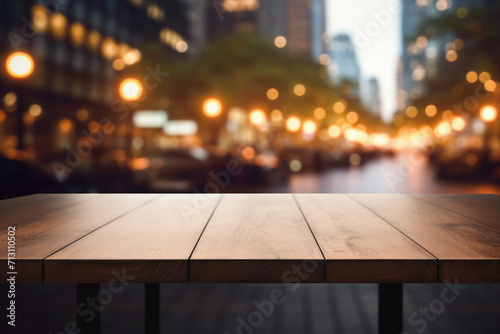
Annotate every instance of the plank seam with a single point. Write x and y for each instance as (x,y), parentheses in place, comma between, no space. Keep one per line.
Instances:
(376,214)
(453,213)
(199,238)
(310,230)
(112,220)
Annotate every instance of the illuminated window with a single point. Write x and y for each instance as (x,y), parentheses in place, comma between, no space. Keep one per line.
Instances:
(132,57)
(77,32)
(40,18)
(155,12)
(240,5)
(109,48)
(94,39)
(58,25)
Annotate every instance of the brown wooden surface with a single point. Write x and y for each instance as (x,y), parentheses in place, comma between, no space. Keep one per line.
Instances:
(47,223)
(152,243)
(467,251)
(481,208)
(361,247)
(255,238)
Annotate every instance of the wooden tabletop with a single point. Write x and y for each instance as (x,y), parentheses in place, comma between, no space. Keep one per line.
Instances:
(372,238)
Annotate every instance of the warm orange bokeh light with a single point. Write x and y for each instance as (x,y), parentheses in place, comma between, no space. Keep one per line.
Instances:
(431,110)
(299,90)
(272,94)
(280,42)
(309,127)
(20,65)
(458,123)
(131,89)
(257,117)
(212,107)
(352,117)
(293,124)
(488,114)
(334,131)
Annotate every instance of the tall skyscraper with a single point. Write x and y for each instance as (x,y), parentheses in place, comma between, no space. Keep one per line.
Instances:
(301,22)
(344,67)
(374,102)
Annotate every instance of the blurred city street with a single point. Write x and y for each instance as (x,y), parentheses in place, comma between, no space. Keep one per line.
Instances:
(384,175)
(249,96)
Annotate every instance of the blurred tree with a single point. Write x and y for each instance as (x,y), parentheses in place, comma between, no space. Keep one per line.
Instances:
(238,70)
(475,34)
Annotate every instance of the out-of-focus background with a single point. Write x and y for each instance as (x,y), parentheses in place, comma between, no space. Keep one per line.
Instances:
(249,96)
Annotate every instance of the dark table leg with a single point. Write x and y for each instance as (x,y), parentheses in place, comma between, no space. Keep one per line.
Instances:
(390,308)
(152,308)
(88,318)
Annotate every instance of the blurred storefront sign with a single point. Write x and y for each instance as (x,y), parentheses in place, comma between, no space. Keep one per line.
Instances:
(180,128)
(150,118)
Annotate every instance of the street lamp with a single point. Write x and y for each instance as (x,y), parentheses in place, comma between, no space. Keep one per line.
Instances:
(20,65)
(293,124)
(131,89)
(488,114)
(257,117)
(212,108)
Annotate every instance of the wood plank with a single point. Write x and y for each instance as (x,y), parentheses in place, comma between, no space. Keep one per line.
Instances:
(467,252)
(42,232)
(360,247)
(257,238)
(24,213)
(152,244)
(483,209)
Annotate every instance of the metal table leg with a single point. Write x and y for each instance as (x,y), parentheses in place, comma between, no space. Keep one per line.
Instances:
(152,308)
(88,318)
(390,308)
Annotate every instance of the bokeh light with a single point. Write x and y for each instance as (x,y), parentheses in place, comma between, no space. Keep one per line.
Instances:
(20,65)
(212,107)
(488,114)
(131,89)
(293,124)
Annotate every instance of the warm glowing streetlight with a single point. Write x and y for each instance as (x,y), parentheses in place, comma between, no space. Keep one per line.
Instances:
(458,124)
(131,89)
(257,117)
(293,124)
(212,108)
(20,65)
(309,127)
(488,114)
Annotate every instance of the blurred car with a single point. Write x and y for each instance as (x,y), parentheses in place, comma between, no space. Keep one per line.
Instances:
(174,170)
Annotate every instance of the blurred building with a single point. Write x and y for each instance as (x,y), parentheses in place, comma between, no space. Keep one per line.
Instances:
(373,101)
(300,23)
(344,67)
(79,48)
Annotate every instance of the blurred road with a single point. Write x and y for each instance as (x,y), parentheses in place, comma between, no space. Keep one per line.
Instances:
(406,173)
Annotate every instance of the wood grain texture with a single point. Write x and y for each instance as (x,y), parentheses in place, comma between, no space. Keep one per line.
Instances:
(483,209)
(25,213)
(154,242)
(255,238)
(45,226)
(452,238)
(361,247)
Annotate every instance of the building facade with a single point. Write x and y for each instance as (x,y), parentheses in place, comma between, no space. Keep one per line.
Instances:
(79,49)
